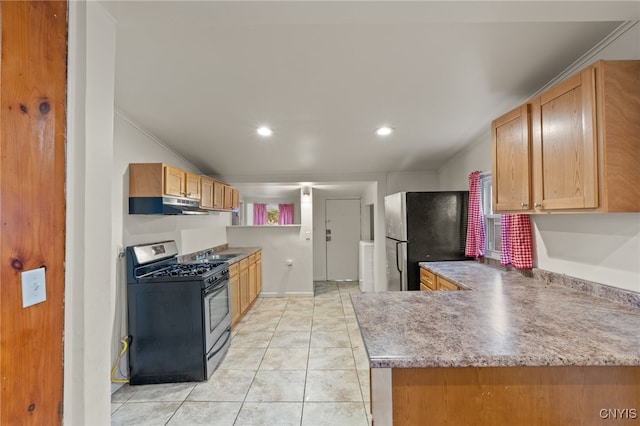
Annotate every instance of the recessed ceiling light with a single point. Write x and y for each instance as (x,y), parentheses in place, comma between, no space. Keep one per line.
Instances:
(384,131)
(264,131)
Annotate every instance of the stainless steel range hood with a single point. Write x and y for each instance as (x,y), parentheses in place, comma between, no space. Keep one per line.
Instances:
(164,205)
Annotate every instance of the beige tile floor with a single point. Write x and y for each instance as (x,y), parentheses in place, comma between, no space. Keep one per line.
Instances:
(292,361)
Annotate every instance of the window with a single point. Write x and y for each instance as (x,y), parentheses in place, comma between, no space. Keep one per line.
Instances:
(270,213)
(273,214)
(492,222)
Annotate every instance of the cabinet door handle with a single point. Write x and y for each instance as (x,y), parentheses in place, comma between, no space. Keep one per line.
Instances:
(523,204)
(536,205)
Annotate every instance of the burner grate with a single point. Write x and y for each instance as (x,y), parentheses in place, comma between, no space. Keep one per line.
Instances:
(181,270)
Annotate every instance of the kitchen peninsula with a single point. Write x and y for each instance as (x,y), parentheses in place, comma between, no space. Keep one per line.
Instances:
(509,350)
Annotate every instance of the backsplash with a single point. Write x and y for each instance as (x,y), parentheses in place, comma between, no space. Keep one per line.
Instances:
(613,294)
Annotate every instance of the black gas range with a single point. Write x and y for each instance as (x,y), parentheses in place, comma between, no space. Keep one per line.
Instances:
(179,315)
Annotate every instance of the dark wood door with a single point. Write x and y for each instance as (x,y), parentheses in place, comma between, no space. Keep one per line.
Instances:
(32,208)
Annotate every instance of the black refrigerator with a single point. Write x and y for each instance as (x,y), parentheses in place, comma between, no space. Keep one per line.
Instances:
(423,227)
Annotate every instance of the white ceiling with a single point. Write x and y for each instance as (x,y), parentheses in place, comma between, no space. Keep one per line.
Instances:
(201,76)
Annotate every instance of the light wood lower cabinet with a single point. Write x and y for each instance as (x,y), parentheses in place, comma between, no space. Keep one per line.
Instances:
(245,283)
(258,272)
(446,285)
(253,287)
(427,280)
(505,396)
(432,282)
(244,286)
(234,290)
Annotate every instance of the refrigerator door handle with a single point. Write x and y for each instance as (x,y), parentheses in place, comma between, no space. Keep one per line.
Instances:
(397,256)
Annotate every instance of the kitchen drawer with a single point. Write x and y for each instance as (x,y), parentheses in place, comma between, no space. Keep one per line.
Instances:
(423,287)
(428,279)
(234,268)
(446,285)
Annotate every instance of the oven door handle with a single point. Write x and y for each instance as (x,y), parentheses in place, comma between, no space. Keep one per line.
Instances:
(217,287)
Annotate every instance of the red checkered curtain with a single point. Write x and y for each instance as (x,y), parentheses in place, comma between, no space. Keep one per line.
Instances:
(475,227)
(516,241)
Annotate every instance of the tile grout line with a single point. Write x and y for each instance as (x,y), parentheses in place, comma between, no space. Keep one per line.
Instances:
(256,372)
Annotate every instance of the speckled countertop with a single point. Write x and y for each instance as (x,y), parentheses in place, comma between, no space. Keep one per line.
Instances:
(505,319)
(241,252)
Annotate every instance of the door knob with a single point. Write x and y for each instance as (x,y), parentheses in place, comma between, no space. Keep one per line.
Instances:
(523,204)
(536,205)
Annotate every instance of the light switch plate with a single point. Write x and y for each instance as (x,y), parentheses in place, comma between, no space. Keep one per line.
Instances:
(34,288)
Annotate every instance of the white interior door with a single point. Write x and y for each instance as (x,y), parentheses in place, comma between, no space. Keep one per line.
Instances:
(343,236)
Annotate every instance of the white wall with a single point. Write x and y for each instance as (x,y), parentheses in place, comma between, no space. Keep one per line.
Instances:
(97,225)
(280,244)
(90,252)
(603,248)
(412,181)
(133,144)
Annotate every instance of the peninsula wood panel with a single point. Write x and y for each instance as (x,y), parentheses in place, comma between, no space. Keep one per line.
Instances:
(525,396)
(32,208)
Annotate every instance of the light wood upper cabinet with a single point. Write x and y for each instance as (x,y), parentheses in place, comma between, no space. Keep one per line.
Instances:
(174,181)
(235,198)
(192,186)
(206,197)
(158,180)
(511,136)
(218,195)
(228,197)
(585,139)
(565,144)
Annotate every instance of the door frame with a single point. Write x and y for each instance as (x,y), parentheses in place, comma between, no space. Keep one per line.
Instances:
(33,85)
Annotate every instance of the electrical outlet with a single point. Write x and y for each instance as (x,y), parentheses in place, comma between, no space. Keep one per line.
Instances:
(34,289)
